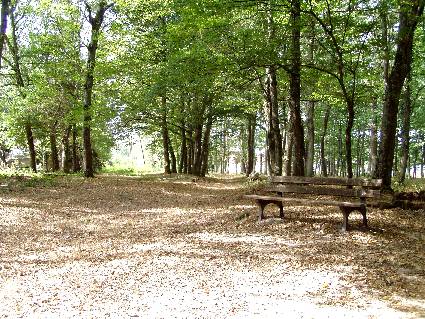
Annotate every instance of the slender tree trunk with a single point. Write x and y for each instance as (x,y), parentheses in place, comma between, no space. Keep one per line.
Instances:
(21,85)
(409,16)
(373,143)
(31,147)
(206,147)
(66,157)
(274,137)
(310,140)
(251,144)
(423,157)
(340,160)
(183,150)
(173,157)
(3,26)
(405,130)
(198,150)
(76,166)
(289,152)
(348,140)
(190,152)
(54,149)
(165,137)
(322,142)
(96,24)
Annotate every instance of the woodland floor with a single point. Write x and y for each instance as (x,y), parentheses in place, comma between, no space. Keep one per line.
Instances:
(172,248)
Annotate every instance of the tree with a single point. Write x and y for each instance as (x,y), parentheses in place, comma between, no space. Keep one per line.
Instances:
(410,12)
(96,24)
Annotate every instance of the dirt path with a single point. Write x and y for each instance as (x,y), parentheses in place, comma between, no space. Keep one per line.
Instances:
(173,248)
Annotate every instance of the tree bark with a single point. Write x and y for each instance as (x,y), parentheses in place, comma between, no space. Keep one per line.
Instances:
(21,85)
(310,140)
(373,143)
(198,150)
(66,155)
(96,24)
(323,163)
(31,147)
(165,137)
(295,90)
(423,157)
(340,160)
(183,146)
(76,166)
(183,150)
(3,26)
(274,137)
(206,147)
(173,157)
(54,149)
(251,145)
(409,16)
(405,130)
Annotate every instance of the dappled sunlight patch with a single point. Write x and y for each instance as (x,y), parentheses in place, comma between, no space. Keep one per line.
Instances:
(17,216)
(96,247)
(257,239)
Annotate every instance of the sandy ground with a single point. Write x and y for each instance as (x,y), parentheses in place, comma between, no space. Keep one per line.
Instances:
(122,247)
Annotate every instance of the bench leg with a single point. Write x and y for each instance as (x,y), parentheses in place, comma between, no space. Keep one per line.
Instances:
(345,213)
(281,214)
(363,212)
(261,205)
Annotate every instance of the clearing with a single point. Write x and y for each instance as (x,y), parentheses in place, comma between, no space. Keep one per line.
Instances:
(175,248)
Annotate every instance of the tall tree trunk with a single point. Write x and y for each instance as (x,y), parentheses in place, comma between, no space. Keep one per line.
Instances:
(348,142)
(31,147)
(405,130)
(198,150)
(54,149)
(373,143)
(76,165)
(289,152)
(340,160)
(3,26)
(66,156)
(206,147)
(173,157)
(251,144)
(190,151)
(21,85)
(295,89)
(423,157)
(310,140)
(274,137)
(409,16)
(322,142)
(165,137)
(183,150)
(96,24)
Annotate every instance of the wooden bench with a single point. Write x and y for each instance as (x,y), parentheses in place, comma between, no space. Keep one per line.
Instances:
(352,194)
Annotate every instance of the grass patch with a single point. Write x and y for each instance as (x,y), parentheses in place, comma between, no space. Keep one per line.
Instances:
(410,185)
(21,179)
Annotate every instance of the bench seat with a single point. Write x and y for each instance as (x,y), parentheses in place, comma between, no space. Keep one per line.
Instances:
(285,190)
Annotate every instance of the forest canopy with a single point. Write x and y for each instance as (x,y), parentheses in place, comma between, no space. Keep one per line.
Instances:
(282,87)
